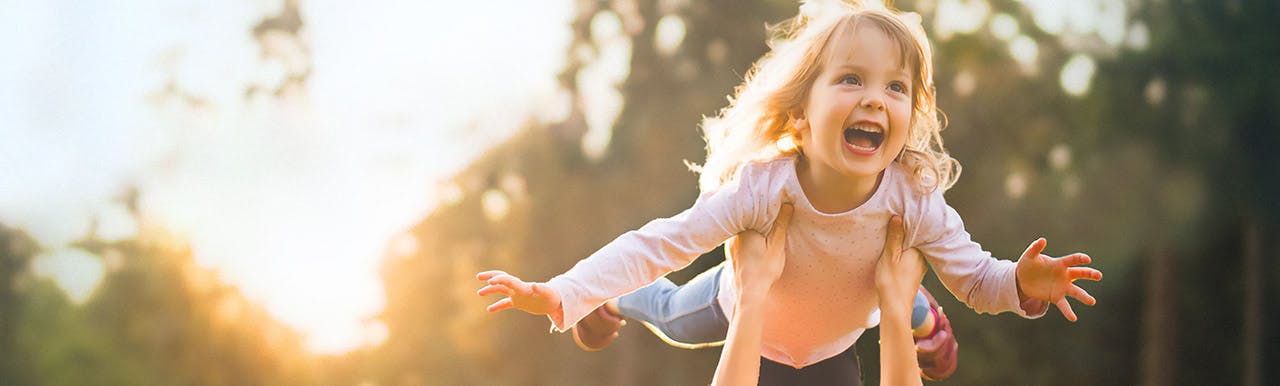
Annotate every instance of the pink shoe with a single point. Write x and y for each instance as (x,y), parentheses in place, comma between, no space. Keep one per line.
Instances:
(937,352)
(598,329)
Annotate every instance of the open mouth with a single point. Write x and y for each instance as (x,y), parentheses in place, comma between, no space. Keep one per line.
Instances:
(864,137)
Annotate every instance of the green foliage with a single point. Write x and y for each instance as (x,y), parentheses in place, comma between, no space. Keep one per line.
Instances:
(154,319)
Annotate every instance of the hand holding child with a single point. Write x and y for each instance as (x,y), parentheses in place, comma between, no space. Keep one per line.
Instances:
(1050,279)
(898,273)
(757,259)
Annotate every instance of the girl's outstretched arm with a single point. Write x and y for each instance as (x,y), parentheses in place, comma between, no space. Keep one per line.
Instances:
(987,284)
(757,263)
(898,277)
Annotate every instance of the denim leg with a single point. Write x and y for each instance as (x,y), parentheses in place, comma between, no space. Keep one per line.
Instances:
(919,309)
(685,316)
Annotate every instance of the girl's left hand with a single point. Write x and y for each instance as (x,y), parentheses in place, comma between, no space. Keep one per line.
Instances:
(1050,279)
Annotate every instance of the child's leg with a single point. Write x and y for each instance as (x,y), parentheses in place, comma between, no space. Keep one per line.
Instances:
(922,320)
(937,349)
(686,316)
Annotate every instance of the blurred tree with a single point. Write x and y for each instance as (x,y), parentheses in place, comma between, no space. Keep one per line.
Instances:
(1155,163)
(1160,163)
(16,251)
(155,318)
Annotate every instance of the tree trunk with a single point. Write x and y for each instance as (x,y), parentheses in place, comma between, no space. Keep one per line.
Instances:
(1252,304)
(1158,320)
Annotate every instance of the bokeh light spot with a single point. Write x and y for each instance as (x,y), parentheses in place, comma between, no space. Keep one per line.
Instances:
(1015,185)
(1060,157)
(1003,26)
(1139,37)
(963,17)
(1155,91)
(1077,75)
(1025,51)
(669,34)
(495,205)
(965,83)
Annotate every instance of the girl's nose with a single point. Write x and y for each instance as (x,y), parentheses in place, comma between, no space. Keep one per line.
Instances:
(873,102)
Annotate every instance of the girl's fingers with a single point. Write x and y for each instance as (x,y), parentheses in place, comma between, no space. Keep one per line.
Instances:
(1034,249)
(1086,273)
(1075,259)
(1066,309)
(509,281)
(492,289)
(486,275)
(500,305)
(1080,294)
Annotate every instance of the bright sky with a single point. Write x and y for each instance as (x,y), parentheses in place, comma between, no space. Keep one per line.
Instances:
(294,200)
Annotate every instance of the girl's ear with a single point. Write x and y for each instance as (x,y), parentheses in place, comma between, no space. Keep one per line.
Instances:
(800,129)
(799,124)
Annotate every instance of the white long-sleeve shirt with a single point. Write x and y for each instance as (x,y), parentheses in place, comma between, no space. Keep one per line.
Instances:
(826,296)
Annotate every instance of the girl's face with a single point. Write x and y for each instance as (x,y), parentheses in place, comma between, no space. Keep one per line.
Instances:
(859,108)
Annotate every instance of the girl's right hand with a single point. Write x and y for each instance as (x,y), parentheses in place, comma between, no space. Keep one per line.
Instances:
(534,298)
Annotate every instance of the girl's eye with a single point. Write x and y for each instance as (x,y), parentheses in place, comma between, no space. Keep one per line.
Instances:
(898,87)
(851,79)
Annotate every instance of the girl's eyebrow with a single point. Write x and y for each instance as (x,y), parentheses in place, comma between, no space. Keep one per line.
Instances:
(901,73)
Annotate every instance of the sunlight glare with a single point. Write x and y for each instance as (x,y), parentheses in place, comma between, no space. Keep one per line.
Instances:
(295,198)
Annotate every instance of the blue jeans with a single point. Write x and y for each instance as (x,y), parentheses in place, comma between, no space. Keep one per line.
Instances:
(689,316)
(685,316)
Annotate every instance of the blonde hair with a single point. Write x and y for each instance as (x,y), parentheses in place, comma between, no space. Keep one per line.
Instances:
(756,124)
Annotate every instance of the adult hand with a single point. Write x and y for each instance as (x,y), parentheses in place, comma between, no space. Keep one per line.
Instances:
(898,273)
(758,260)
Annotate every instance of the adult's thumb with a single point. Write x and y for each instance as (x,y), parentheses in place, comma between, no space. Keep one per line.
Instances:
(894,236)
(780,224)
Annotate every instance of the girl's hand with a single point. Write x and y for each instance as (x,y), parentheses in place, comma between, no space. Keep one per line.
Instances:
(1050,279)
(757,259)
(898,273)
(534,298)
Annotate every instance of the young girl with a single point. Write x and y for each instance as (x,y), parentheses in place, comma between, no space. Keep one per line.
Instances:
(851,89)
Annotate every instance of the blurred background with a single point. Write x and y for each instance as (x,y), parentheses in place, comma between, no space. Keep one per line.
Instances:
(300,192)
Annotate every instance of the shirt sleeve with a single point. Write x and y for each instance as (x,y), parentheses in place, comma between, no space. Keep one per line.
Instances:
(640,257)
(985,283)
